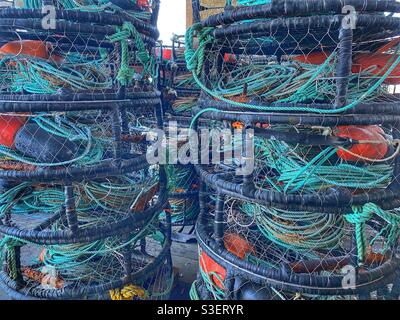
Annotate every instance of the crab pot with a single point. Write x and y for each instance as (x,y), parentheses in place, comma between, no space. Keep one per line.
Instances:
(180,92)
(260,260)
(140,258)
(182,189)
(278,58)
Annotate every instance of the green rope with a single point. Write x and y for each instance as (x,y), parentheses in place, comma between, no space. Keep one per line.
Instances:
(195,59)
(364,213)
(9,245)
(193,294)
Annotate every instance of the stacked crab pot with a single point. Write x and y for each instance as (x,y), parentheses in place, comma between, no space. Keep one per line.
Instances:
(80,205)
(179,95)
(310,91)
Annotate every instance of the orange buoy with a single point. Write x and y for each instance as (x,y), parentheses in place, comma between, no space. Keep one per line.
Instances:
(374,150)
(237,125)
(262,125)
(313,58)
(216,272)
(143,3)
(377,63)
(230,58)
(34,48)
(166,53)
(235,244)
(9,126)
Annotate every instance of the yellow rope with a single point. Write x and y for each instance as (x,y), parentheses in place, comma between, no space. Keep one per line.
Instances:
(130,292)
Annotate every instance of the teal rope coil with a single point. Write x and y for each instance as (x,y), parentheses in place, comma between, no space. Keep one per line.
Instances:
(195,60)
(300,231)
(88,6)
(34,75)
(114,195)
(317,173)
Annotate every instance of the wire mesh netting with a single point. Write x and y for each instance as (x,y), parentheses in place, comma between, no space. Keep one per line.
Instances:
(179,94)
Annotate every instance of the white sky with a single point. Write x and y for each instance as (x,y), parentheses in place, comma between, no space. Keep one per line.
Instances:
(172,19)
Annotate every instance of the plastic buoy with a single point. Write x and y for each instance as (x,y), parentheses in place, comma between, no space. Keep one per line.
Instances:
(313,58)
(252,291)
(166,53)
(33,141)
(374,150)
(376,63)
(230,58)
(210,267)
(143,3)
(237,125)
(34,48)
(235,244)
(9,126)
(379,62)
(262,125)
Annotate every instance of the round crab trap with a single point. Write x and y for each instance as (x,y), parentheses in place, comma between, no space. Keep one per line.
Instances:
(179,95)
(249,251)
(361,137)
(182,186)
(180,91)
(133,266)
(299,150)
(69,91)
(183,201)
(334,169)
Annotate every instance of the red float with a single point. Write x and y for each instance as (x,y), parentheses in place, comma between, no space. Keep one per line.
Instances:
(235,244)
(374,150)
(9,126)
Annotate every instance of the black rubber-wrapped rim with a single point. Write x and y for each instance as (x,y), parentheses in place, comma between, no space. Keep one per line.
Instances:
(79,17)
(110,167)
(290,8)
(381,113)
